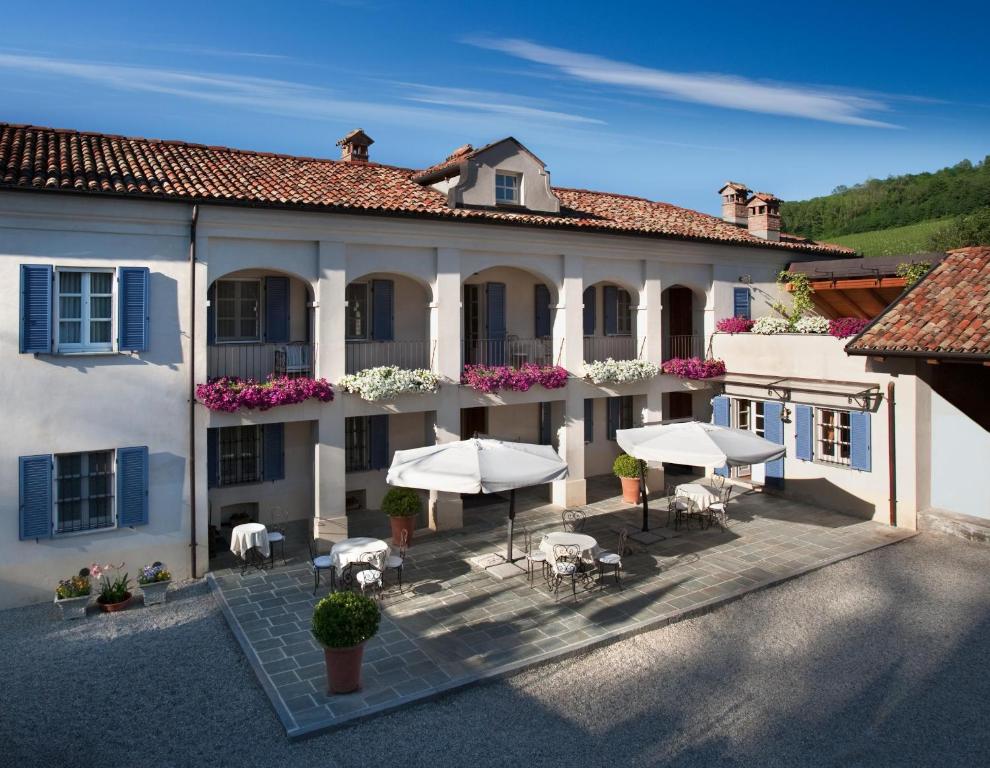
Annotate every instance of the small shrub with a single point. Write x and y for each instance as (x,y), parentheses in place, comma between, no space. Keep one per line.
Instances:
(345,619)
(811,324)
(844,327)
(402,502)
(734,325)
(626,466)
(771,325)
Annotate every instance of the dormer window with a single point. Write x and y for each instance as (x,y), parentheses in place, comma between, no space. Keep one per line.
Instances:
(508,187)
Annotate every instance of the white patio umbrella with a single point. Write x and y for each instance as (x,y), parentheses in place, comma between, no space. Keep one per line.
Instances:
(695,443)
(478,465)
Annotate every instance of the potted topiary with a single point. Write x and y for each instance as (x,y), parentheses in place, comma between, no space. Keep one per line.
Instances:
(626,468)
(342,623)
(403,506)
(154,581)
(72,595)
(115,594)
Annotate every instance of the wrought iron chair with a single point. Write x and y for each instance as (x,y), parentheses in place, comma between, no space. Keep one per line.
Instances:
(396,561)
(566,565)
(613,560)
(371,576)
(683,508)
(320,563)
(533,556)
(718,511)
(573,520)
(276,534)
(717,482)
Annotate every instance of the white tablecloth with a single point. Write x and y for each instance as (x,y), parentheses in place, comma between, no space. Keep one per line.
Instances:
(589,547)
(350,551)
(701,495)
(249,536)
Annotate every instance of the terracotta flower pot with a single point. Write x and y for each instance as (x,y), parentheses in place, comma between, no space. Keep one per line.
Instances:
(400,524)
(112,607)
(344,668)
(630,490)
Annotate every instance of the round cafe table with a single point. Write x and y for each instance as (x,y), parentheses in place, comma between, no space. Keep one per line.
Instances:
(588,544)
(249,536)
(701,495)
(348,551)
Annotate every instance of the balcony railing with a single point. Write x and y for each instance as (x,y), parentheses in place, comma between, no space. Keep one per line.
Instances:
(259,361)
(682,346)
(508,351)
(373,354)
(600,348)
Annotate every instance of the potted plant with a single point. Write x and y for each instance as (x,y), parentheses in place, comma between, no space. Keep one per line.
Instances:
(115,592)
(626,468)
(342,623)
(72,595)
(403,506)
(154,581)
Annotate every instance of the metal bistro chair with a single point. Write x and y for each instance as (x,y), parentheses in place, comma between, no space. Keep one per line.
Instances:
(684,509)
(613,560)
(717,483)
(566,564)
(371,576)
(533,556)
(718,511)
(276,534)
(395,562)
(573,520)
(320,563)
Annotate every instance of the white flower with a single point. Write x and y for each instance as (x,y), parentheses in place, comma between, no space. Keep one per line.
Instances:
(768,325)
(389,381)
(620,371)
(811,324)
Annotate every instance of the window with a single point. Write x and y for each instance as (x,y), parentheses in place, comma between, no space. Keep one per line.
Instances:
(357,446)
(238,310)
(85,307)
(84,491)
(507,187)
(743,411)
(240,455)
(832,436)
(620,414)
(356,296)
(623,314)
(759,421)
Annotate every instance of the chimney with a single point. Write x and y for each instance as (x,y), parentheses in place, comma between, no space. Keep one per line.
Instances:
(354,146)
(764,216)
(734,197)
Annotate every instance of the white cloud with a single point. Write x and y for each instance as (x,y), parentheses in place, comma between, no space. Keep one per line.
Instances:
(489,101)
(719,90)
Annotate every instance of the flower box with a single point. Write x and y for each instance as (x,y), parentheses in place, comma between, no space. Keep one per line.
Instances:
(620,371)
(73,607)
(154,593)
(232,394)
(694,368)
(495,378)
(389,381)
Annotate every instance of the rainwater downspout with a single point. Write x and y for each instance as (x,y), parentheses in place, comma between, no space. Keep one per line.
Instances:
(892,453)
(193,544)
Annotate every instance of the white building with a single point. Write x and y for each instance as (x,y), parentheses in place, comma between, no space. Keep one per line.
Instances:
(146,267)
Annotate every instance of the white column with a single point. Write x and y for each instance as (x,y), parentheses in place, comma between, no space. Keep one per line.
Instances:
(330,493)
(569,328)
(446,509)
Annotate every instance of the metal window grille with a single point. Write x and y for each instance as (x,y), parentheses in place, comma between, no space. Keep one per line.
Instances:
(832,436)
(240,455)
(357,448)
(84,484)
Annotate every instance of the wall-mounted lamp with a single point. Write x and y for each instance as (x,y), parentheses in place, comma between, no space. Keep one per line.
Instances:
(785,415)
(746,279)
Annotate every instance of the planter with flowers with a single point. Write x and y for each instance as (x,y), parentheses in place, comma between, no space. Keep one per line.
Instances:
(734,325)
(72,595)
(620,371)
(694,368)
(495,378)
(230,394)
(389,381)
(115,594)
(844,327)
(154,580)
(342,623)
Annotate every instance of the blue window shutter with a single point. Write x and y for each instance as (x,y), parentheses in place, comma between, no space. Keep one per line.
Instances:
(741,302)
(542,311)
(589,420)
(860,441)
(378,441)
(495,319)
(546,428)
(773,430)
(211,314)
(611,301)
(590,318)
(273,451)
(132,486)
(804,432)
(614,417)
(212,457)
(132,325)
(35,499)
(382,308)
(36,308)
(720,416)
(277,309)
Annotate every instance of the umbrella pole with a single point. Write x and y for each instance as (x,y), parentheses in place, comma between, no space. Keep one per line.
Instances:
(642,492)
(512,517)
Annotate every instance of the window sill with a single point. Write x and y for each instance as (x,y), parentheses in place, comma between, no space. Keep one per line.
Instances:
(72,534)
(88,353)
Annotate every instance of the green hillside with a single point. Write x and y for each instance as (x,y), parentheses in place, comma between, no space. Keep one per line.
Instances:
(912,238)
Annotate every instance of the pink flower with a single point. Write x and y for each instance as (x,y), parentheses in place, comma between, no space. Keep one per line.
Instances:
(843,327)
(495,378)
(693,368)
(734,325)
(232,394)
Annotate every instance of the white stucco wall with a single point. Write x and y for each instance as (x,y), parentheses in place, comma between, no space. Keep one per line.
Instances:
(960,457)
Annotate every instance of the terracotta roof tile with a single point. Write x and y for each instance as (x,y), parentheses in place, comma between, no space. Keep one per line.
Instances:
(947,314)
(57,160)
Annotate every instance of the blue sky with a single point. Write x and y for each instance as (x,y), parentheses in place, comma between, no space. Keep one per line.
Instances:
(664,100)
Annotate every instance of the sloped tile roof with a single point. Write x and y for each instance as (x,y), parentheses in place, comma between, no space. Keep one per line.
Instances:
(946,314)
(56,160)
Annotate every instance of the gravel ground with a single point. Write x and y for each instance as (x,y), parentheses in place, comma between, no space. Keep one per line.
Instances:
(879,660)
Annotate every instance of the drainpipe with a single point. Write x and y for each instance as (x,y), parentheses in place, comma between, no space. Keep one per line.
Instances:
(892,453)
(193,544)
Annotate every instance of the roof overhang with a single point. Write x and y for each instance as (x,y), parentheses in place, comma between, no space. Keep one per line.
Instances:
(863,395)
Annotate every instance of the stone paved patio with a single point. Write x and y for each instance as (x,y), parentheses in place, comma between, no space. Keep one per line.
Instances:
(454,624)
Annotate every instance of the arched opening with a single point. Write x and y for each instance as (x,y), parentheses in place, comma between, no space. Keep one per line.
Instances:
(609,323)
(387,322)
(682,322)
(259,324)
(508,315)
